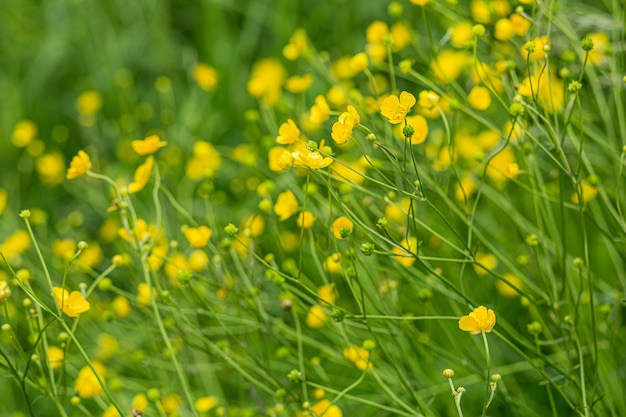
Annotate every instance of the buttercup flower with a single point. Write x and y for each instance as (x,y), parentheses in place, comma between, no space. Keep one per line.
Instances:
(79,166)
(197,237)
(87,384)
(286,205)
(55,356)
(359,356)
(480,320)
(5,291)
(320,112)
(288,133)
(327,409)
(72,303)
(142,175)
(342,227)
(24,133)
(206,77)
(305,220)
(395,109)
(148,146)
(313,160)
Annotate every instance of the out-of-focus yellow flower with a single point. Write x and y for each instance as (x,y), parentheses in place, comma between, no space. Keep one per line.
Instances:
(342,227)
(55,356)
(332,264)
(50,167)
(198,237)
(148,146)
(479,98)
(400,36)
(486,11)
(359,62)
(72,303)
(465,189)
(171,403)
(376,32)
(420,2)
(176,264)
(352,172)
(120,307)
(91,256)
(86,384)
(538,53)
(461,34)
(64,248)
(279,159)
(266,80)
(488,260)
(3,200)
(601,43)
(587,190)
(142,175)
(15,244)
(206,76)
(297,46)
(204,162)
(286,205)
(305,219)
(327,409)
(108,347)
(480,320)
(299,83)
(396,109)
(398,212)
(503,30)
(449,64)
(520,24)
(89,103)
(359,356)
(111,412)
(206,404)
(503,166)
(316,317)
(79,165)
(254,225)
(327,293)
(143,294)
(288,133)
(5,291)
(198,260)
(140,402)
(320,112)
(507,290)
(547,88)
(420,127)
(24,133)
(404,256)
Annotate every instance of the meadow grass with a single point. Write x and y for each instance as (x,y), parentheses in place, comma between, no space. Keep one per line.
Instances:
(300,208)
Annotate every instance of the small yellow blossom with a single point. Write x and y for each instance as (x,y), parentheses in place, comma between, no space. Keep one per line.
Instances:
(148,146)
(89,103)
(488,260)
(297,46)
(326,409)
(55,357)
(24,133)
(359,356)
(342,227)
(204,163)
(588,192)
(50,167)
(143,294)
(420,2)
(507,290)
(266,80)
(504,30)
(64,248)
(479,98)
(72,303)
(404,256)
(142,175)
(79,165)
(420,129)
(520,24)
(286,205)
(5,291)
(206,404)
(87,384)
(140,402)
(359,62)
(15,244)
(279,159)
(332,264)
(171,403)
(395,109)
(316,317)
(461,34)
(320,112)
(198,261)
(206,77)
(288,133)
(299,83)
(120,307)
(111,412)
(305,220)
(108,347)
(312,160)
(449,64)
(601,44)
(480,320)
(3,200)
(327,293)
(198,237)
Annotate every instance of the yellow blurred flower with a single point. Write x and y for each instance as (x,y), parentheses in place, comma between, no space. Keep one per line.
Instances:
(148,146)
(279,159)
(538,54)
(461,34)
(140,402)
(91,256)
(503,30)
(288,133)
(64,248)
(51,168)
(108,347)
(72,303)
(198,260)
(503,166)
(327,293)
(547,88)
(488,260)
(481,319)
(253,224)
(588,191)
(449,64)
(198,237)
(204,162)
(143,294)
(320,112)
(15,244)
(171,403)
(405,256)
(86,384)
(142,175)
(206,76)
(479,98)
(205,404)
(297,46)
(332,264)
(395,109)
(359,62)
(5,291)
(286,205)
(79,165)
(120,307)
(3,200)
(420,127)
(359,356)
(299,83)
(89,103)
(55,357)
(327,409)
(305,219)
(24,133)
(316,317)
(266,80)
(520,24)
(507,290)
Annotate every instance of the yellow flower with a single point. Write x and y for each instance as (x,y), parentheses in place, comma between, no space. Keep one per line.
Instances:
(55,357)
(327,293)
(64,248)
(461,34)
(24,133)
(488,260)
(480,320)
(326,409)
(279,159)
(205,404)
(376,32)
(504,30)
(305,220)
(332,264)
(111,412)
(539,53)
(254,225)
(90,257)
(447,66)
(520,24)
(316,317)
(50,167)
(313,159)
(359,356)
(420,2)
(142,175)
(120,307)
(342,128)
(342,227)
(79,166)
(396,109)
(588,191)
(108,347)
(5,291)
(206,77)
(198,237)
(404,256)
(299,83)
(72,303)
(148,146)
(140,402)
(171,403)
(507,290)
(359,62)
(15,244)
(420,127)
(89,103)
(3,200)
(86,384)
(198,260)
(204,162)
(479,98)
(320,112)
(297,45)
(266,79)
(286,205)
(601,44)
(143,294)
(547,88)
(288,133)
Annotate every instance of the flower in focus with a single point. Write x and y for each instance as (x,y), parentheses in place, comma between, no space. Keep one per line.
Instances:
(148,146)
(87,384)
(312,159)
(288,133)
(342,128)
(142,175)
(395,109)
(197,237)
(480,320)
(206,77)
(79,165)
(342,227)
(286,205)
(72,303)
